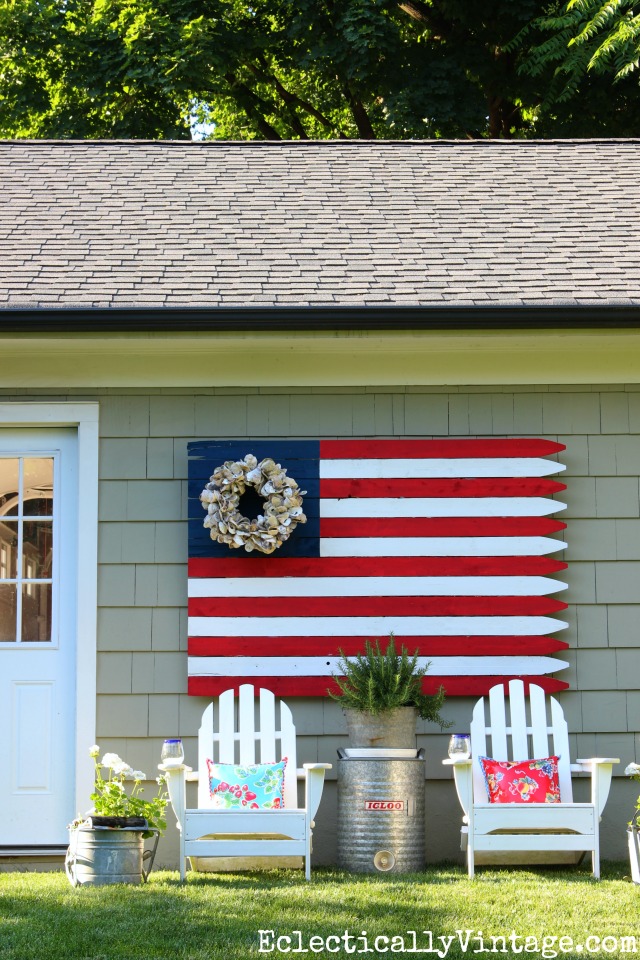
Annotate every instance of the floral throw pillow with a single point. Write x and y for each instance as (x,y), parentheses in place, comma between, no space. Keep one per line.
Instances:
(521,781)
(256,787)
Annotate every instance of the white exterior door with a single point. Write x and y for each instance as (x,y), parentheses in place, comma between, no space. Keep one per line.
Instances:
(38,633)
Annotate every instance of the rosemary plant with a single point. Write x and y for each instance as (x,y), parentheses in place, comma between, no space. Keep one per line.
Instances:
(378,681)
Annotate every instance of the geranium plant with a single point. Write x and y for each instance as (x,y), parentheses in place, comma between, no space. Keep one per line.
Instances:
(111,798)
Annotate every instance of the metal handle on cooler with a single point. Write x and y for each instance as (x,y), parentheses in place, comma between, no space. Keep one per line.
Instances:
(150,855)
(71,858)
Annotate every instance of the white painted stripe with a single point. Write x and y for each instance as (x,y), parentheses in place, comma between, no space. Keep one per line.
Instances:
(461,467)
(440,507)
(439,546)
(326,666)
(243,626)
(374,586)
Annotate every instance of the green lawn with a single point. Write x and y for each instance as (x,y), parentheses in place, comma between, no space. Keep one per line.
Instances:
(220,916)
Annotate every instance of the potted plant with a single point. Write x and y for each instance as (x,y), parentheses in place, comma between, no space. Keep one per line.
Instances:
(106,845)
(381,694)
(633,837)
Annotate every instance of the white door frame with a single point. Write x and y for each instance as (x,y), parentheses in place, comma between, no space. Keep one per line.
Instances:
(83,416)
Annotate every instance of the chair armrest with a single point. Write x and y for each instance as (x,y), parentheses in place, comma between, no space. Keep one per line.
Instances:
(174,765)
(176,774)
(314,785)
(597,760)
(464,782)
(301,772)
(601,770)
(191,775)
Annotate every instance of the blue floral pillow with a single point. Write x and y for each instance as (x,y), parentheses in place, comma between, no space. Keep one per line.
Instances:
(257,787)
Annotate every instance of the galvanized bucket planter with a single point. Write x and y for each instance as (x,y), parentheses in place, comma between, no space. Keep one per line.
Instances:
(395,728)
(103,855)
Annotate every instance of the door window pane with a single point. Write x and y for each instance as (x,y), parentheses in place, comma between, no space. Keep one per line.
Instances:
(8,548)
(37,486)
(8,612)
(9,481)
(37,543)
(36,612)
(26,549)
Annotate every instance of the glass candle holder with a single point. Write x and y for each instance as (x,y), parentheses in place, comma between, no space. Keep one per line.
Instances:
(172,750)
(460,746)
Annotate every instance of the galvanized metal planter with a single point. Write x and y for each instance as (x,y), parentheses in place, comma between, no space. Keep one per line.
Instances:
(381,814)
(103,855)
(395,728)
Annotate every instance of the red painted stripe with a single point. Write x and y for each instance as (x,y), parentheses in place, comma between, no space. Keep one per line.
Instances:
(373,607)
(435,487)
(333,646)
(275,566)
(317,686)
(440,449)
(480,686)
(439,526)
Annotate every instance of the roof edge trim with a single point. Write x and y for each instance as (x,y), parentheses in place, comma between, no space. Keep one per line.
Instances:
(318,318)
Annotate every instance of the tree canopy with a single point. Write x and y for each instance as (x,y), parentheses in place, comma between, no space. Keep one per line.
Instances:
(300,69)
(582,43)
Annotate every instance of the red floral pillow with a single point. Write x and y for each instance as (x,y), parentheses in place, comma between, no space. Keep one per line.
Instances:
(521,781)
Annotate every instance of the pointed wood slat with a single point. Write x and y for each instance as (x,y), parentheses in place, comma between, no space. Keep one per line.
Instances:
(439,468)
(498,723)
(518,722)
(226,730)
(206,736)
(381,606)
(539,723)
(479,748)
(267,727)
(561,749)
(288,750)
(277,567)
(467,488)
(431,646)
(246,724)
(391,449)
(455,686)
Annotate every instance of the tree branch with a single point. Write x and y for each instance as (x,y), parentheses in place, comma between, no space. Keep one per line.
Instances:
(288,100)
(501,116)
(248,100)
(293,100)
(417,10)
(365,130)
(439,26)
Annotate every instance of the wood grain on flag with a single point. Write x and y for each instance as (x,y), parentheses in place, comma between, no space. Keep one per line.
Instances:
(449,544)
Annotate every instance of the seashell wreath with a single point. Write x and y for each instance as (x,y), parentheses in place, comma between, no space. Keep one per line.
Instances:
(282,509)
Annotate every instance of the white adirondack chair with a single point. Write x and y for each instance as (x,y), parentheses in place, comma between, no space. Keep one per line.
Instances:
(531,728)
(230,734)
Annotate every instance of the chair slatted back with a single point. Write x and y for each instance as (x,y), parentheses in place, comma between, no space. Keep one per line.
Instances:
(233,731)
(518,728)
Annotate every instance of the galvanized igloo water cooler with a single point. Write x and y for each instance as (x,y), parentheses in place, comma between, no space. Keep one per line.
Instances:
(381,810)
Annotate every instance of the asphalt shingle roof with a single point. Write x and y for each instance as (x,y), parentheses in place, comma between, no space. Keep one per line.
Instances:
(142,224)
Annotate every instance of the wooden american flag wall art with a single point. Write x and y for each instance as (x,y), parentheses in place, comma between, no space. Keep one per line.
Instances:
(445,543)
